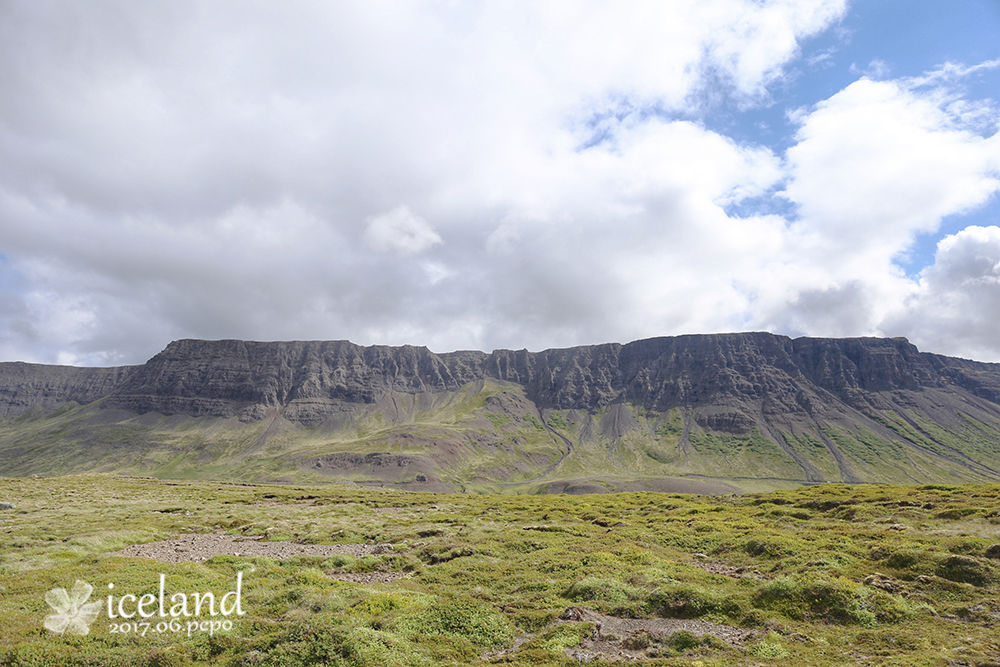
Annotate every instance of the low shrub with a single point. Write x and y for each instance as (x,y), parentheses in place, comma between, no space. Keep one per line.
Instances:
(782,588)
(445,551)
(889,608)
(912,561)
(691,601)
(682,641)
(611,595)
(966,570)
(339,561)
(770,647)
(836,600)
(886,642)
(956,513)
(560,637)
(366,647)
(767,548)
(387,601)
(472,621)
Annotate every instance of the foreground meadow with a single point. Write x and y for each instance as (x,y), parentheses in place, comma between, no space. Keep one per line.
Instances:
(342,575)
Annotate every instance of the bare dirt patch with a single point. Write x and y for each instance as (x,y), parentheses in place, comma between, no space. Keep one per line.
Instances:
(198,547)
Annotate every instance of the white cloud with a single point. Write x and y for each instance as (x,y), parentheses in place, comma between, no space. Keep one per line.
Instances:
(192,170)
(204,170)
(436,272)
(503,239)
(957,304)
(951,72)
(874,166)
(400,231)
(879,162)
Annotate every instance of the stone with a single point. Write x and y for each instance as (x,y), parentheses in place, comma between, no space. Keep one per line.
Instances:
(883,582)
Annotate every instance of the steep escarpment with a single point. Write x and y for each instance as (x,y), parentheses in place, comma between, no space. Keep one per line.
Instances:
(585,378)
(312,379)
(747,371)
(36,386)
(736,406)
(980,379)
(309,380)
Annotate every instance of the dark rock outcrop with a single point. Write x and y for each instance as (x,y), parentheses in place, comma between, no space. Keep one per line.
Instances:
(27,386)
(232,377)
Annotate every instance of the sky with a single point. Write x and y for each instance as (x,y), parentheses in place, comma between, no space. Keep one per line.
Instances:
(482,175)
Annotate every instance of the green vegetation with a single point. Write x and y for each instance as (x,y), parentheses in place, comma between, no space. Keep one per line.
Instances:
(489,437)
(558,421)
(823,575)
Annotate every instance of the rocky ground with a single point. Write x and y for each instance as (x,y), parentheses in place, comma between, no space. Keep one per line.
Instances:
(199,547)
(627,637)
(619,639)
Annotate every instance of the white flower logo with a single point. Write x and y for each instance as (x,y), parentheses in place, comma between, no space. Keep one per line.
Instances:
(72,611)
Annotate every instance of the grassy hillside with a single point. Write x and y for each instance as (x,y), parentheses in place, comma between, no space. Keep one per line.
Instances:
(489,437)
(823,575)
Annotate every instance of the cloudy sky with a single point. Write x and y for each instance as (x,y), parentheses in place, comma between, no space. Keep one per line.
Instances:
(496,174)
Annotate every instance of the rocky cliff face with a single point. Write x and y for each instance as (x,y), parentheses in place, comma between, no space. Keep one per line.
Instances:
(27,386)
(727,406)
(311,380)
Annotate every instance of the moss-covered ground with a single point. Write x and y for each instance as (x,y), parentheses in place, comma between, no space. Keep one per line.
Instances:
(824,575)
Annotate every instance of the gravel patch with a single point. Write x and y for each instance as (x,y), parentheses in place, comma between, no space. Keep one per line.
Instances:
(714,567)
(197,547)
(366,577)
(614,635)
(615,629)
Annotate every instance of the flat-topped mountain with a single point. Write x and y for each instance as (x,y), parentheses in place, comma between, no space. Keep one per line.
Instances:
(746,409)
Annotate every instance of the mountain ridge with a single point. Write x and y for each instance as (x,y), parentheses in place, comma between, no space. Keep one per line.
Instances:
(712,405)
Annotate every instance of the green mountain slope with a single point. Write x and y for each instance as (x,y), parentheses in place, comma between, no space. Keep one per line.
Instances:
(701,413)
